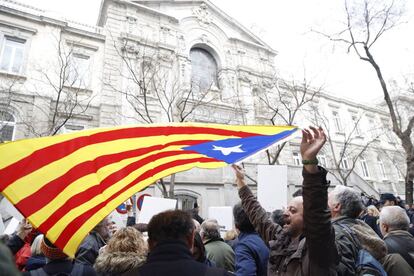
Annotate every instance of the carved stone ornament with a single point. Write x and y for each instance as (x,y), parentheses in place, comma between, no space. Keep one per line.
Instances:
(130,47)
(165,57)
(131,20)
(243,76)
(203,38)
(267,84)
(202,14)
(181,43)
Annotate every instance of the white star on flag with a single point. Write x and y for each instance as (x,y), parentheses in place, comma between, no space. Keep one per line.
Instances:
(227,151)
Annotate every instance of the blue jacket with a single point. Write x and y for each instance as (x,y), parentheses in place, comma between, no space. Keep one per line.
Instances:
(35,262)
(252,255)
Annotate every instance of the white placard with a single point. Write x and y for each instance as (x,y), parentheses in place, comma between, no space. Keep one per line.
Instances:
(7,207)
(1,225)
(155,205)
(272,186)
(120,220)
(12,226)
(224,217)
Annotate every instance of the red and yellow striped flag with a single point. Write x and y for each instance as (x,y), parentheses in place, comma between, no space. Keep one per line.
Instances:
(64,185)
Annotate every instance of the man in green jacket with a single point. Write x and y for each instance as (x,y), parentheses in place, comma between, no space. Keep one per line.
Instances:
(216,249)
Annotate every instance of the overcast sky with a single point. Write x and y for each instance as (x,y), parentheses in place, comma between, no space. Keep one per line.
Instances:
(285,25)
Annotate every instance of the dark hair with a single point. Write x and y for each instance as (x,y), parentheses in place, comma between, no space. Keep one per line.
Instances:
(48,242)
(170,225)
(278,216)
(298,192)
(198,243)
(241,220)
(141,227)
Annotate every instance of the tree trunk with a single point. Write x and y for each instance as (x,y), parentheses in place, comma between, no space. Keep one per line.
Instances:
(172,186)
(405,136)
(134,204)
(164,189)
(409,179)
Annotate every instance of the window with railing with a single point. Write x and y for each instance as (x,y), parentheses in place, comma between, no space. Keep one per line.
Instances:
(337,121)
(7,126)
(355,125)
(322,160)
(185,202)
(79,71)
(344,163)
(381,168)
(297,160)
(364,168)
(12,54)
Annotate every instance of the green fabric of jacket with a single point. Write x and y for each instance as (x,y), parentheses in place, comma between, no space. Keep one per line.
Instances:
(221,253)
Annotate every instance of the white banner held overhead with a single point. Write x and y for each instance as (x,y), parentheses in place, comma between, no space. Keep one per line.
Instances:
(155,205)
(224,217)
(272,186)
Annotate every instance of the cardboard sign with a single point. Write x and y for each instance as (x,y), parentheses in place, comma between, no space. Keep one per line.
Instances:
(12,226)
(155,205)
(224,217)
(272,186)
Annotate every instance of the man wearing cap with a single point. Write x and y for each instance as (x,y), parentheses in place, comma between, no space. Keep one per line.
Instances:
(388,199)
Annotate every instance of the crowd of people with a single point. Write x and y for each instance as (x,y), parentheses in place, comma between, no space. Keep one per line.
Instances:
(320,232)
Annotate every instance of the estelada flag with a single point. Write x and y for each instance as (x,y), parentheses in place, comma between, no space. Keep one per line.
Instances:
(66,184)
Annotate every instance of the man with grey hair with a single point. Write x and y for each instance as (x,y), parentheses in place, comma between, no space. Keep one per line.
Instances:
(394,224)
(351,234)
(216,249)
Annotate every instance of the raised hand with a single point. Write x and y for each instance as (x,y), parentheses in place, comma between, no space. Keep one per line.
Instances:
(239,171)
(24,229)
(312,142)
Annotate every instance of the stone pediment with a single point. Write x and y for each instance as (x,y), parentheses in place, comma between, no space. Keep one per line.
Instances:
(206,13)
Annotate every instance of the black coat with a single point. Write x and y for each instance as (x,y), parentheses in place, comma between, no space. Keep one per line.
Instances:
(15,243)
(63,266)
(88,251)
(373,223)
(35,262)
(173,258)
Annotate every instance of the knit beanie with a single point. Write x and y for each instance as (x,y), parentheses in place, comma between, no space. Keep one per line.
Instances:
(50,251)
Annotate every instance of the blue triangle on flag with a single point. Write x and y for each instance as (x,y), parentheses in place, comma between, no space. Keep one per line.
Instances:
(234,150)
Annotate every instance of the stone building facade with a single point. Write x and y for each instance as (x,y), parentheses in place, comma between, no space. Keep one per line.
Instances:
(144,56)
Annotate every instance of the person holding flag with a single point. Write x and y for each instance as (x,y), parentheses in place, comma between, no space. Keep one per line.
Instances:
(66,184)
(297,247)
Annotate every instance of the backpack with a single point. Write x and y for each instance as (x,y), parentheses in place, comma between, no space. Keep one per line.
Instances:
(365,263)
